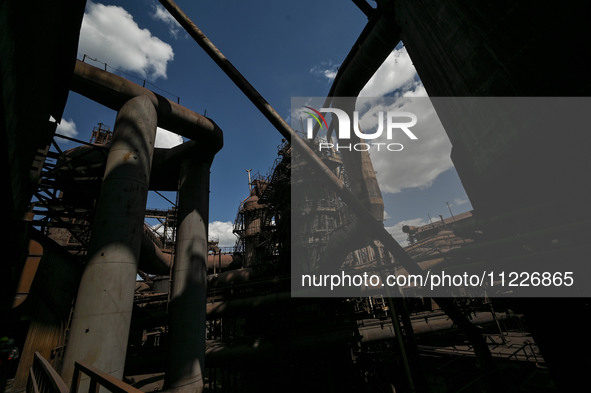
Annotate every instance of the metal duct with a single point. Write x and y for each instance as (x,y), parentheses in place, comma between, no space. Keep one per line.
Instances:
(113,91)
(102,314)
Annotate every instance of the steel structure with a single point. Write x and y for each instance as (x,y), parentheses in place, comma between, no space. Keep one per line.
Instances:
(197,323)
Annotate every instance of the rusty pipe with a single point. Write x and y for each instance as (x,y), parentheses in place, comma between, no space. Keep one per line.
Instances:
(113,91)
(220,262)
(152,259)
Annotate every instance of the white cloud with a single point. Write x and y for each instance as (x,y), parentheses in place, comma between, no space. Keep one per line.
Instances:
(459,201)
(327,70)
(396,72)
(417,90)
(67,128)
(166,139)
(396,229)
(109,34)
(397,87)
(221,231)
(160,13)
(421,160)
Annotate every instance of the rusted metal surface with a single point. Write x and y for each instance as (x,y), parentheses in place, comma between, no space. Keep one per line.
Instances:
(152,259)
(113,91)
(221,262)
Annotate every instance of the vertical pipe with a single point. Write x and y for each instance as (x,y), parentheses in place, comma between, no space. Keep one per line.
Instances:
(188,301)
(102,314)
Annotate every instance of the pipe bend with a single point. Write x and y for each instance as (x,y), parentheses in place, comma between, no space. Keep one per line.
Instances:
(113,91)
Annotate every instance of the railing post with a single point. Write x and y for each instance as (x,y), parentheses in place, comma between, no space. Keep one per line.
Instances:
(75,379)
(43,378)
(32,386)
(94,386)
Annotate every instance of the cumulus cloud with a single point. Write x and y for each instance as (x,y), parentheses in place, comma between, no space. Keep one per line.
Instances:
(167,139)
(160,13)
(396,87)
(417,90)
(221,231)
(459,202)
(396,229)
(326,70)
(396,73)
(420,161)
(67,128)
(109,34)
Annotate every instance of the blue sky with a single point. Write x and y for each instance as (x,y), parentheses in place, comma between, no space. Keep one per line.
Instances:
(285,50)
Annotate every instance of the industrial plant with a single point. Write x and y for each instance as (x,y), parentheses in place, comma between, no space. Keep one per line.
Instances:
(102,292)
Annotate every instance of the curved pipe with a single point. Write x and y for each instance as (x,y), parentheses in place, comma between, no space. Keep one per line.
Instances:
(152,260)
(377,40)
(222,262)
(375,43)
(113,91)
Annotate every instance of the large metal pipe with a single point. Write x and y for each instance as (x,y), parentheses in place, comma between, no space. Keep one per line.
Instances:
(113,91)
(167,162)
(102,314)
(189,284)
(221,262)
(152,259)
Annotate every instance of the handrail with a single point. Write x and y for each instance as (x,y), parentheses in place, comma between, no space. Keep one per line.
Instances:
(43,378)
(99,378)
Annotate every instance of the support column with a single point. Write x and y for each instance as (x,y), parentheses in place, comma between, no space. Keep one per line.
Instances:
(102,315)
(188,297)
